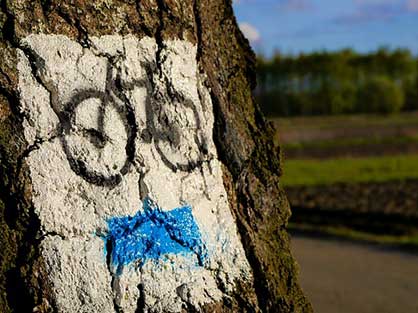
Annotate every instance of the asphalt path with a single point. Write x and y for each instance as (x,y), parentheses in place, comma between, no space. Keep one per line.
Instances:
(348,277)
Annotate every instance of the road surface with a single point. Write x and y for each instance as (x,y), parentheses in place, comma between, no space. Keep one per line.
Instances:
(347,277)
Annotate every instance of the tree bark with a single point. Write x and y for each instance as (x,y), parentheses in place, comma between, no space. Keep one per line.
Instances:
(249,161)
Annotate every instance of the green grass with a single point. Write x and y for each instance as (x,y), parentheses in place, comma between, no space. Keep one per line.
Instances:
(349,170)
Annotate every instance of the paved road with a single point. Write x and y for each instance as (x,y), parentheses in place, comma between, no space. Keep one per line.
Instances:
(346,277)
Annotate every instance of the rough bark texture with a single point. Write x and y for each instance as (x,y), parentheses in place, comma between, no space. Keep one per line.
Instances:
(250,159)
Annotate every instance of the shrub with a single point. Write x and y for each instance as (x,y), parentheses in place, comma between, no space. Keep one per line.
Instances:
(380,94)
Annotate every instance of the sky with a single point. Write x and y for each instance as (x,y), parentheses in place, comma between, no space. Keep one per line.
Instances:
(294,26)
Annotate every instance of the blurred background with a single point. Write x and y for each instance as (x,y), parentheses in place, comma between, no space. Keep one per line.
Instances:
(339,80)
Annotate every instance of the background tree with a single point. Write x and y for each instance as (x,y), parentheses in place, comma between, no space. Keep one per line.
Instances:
(381,95)
(330,82)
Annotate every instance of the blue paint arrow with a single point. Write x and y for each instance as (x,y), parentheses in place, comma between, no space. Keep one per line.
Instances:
(152,234)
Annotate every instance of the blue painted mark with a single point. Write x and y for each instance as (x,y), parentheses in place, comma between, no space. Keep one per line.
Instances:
(152,234)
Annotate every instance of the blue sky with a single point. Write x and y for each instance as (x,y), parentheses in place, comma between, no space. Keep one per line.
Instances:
(293,26)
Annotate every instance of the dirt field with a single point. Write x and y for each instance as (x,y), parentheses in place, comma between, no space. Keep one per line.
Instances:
(325,137)
(350,174)
(308,129)
(385,198)
(346,277)
(403,146)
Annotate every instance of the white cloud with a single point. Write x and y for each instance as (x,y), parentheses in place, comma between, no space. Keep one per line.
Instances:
(412,5)
(249,31)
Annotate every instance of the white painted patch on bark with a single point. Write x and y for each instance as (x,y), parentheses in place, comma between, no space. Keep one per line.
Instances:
(90,162)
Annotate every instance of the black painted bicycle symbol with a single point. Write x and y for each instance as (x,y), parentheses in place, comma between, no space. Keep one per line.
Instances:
(162,126)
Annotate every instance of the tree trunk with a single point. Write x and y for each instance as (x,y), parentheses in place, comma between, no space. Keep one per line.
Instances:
(137,174)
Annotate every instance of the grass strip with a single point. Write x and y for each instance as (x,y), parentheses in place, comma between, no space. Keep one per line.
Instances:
(350,170)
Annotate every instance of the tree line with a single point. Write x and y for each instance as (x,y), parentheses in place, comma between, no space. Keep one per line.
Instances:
(342,82)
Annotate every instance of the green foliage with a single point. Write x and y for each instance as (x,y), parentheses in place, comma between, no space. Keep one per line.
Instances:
(334,83)
(380,95)
(352,170)
(411,94)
